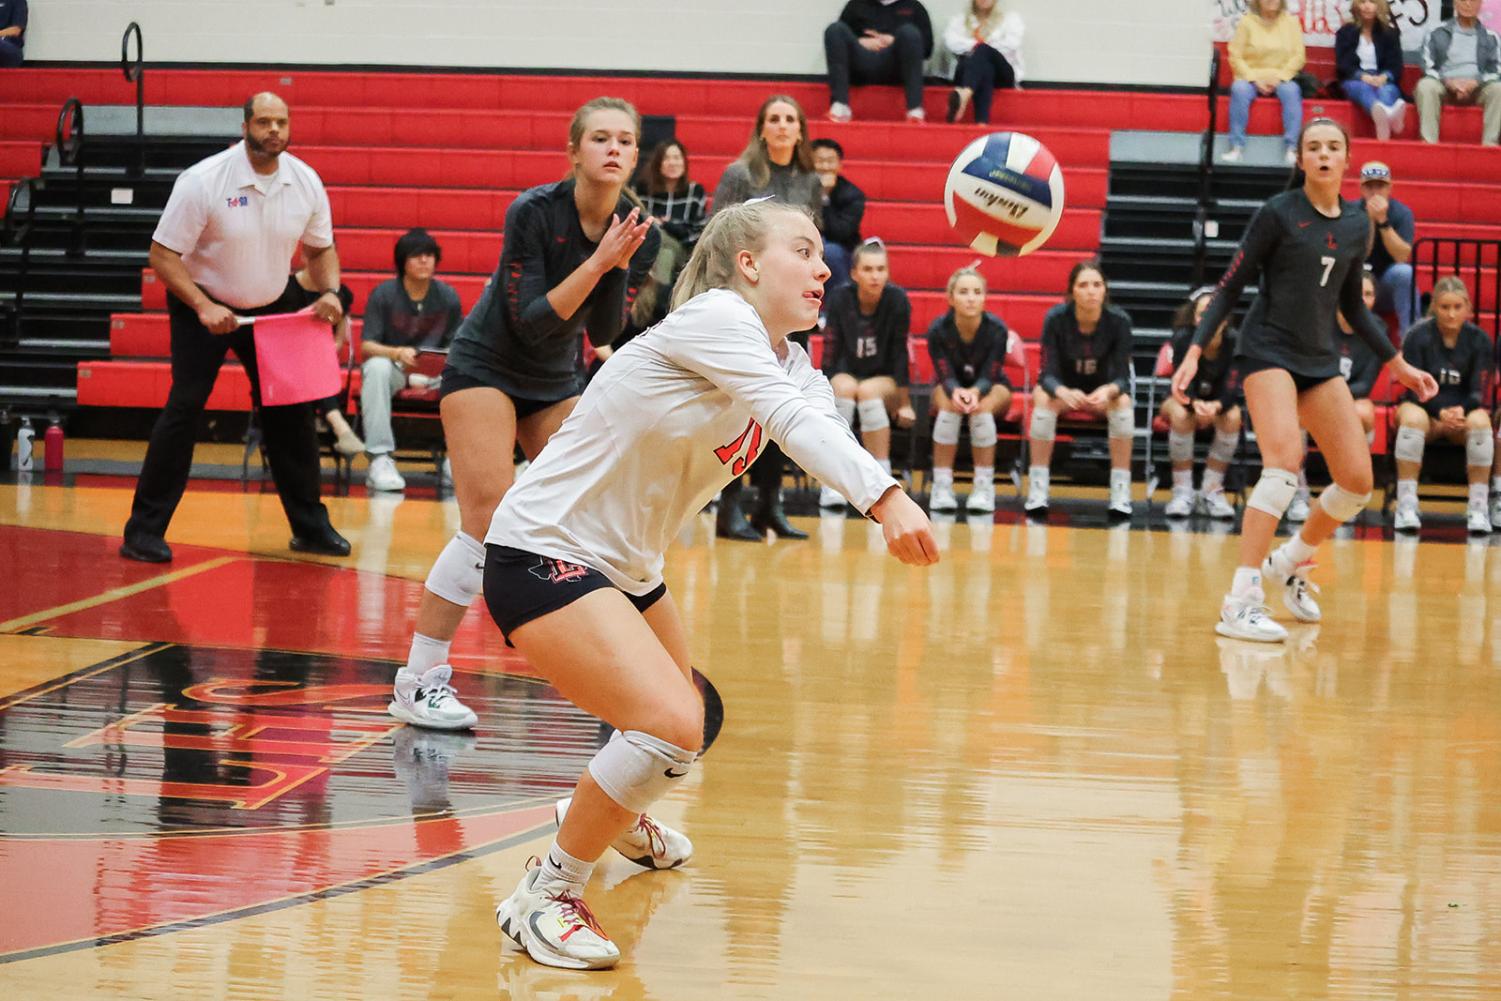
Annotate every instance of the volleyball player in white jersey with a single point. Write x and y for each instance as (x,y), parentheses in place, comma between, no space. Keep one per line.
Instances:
(573,571)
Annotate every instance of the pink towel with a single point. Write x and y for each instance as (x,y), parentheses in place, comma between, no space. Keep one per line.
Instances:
(296,357)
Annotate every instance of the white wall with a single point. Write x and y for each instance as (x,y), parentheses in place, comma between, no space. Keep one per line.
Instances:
(1111,41)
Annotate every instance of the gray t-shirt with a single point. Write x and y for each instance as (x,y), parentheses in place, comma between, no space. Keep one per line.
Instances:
(393,319)
(786,183)
(1463,62)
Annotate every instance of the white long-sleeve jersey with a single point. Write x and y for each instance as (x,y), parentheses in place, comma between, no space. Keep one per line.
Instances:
(668,421)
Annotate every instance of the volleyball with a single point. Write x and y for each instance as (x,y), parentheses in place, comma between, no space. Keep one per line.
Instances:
(1004,194)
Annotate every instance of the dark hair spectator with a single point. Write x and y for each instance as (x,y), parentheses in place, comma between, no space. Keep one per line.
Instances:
(671,196)
(843,210)
(877,41)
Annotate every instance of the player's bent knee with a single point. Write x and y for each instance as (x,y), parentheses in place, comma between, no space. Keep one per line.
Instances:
(1274,491)
(873,415)
(1341,504)
(982,430)
(458,574)
(636,769)
(1409,444)
(946,427)
(1180,447)
(1044,424)
(1480,446)
(1222,448)
(1121,421)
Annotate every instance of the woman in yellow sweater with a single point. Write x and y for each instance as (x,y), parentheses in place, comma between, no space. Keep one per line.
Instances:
(1265,54)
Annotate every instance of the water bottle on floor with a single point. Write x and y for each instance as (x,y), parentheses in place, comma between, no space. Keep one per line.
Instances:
(25,442)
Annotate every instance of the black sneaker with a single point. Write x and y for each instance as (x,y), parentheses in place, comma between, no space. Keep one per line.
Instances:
(326,542)
(146,549)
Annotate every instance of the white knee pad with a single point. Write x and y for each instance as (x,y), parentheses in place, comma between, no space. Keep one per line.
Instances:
(946,428)
(982,430)
(1122,422)
(458,574)
(1180,447)
(1409,445)
(1044,423)
(636,769)
(1480,447)
(1342,505)
(846,409)
(873,416)
(1274,492)
(1222,449)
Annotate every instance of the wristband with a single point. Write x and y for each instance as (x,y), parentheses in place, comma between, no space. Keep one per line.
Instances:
(1384,225)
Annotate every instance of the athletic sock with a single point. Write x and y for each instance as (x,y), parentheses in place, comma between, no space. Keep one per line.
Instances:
(561,870)
(1297,550)
(1496,485)
(1407,490)
(1183,479)
(983,474)
(1214,480)
(1120,478)
(1480,494)
(1247,579)
(426,652)
(943,476)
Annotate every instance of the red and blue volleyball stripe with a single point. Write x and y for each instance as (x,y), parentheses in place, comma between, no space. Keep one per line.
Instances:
(1004,194)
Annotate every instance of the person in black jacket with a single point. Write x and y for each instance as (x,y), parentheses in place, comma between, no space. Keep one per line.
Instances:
(968,348)
(1368,60)
(1213,401)
(865,354)
(843,210)
(878,41)
(12,32)
(1086,369)
(1459,356)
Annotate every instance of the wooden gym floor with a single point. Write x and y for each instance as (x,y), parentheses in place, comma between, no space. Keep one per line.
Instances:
(1032,771)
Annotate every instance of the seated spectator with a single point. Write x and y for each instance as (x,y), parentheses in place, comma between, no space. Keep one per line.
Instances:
(1458,355)
(1368,61)
(1213,403)
(12,33)
(877,41)
(346,442)
(1391,250)
(865,354)
(1265,54)
(1086,369)
(778,163)
(988,46)
(968,349)
(843,210)
(1461,65)
(679,204)
(409,313)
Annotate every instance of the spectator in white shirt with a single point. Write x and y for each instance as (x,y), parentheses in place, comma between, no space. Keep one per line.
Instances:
(988,45)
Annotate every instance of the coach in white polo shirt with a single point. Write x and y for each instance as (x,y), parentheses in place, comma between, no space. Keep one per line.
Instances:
(224,247)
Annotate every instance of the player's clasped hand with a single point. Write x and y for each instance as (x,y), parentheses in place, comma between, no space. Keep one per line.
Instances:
(621,241)
(909,533)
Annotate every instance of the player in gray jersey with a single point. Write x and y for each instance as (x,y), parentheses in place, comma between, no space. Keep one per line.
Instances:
(1307,246)
(573,575)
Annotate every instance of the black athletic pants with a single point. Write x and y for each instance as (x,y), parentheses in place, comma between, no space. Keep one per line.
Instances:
(900,62)
(982,71)
(291,441)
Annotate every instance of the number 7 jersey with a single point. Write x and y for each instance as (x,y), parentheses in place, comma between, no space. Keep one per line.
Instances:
(1310,268)
(670,419)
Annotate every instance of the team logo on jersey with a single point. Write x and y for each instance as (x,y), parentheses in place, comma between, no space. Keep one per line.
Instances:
(558,571)
(1330,241)
(238,201)
(741,452)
